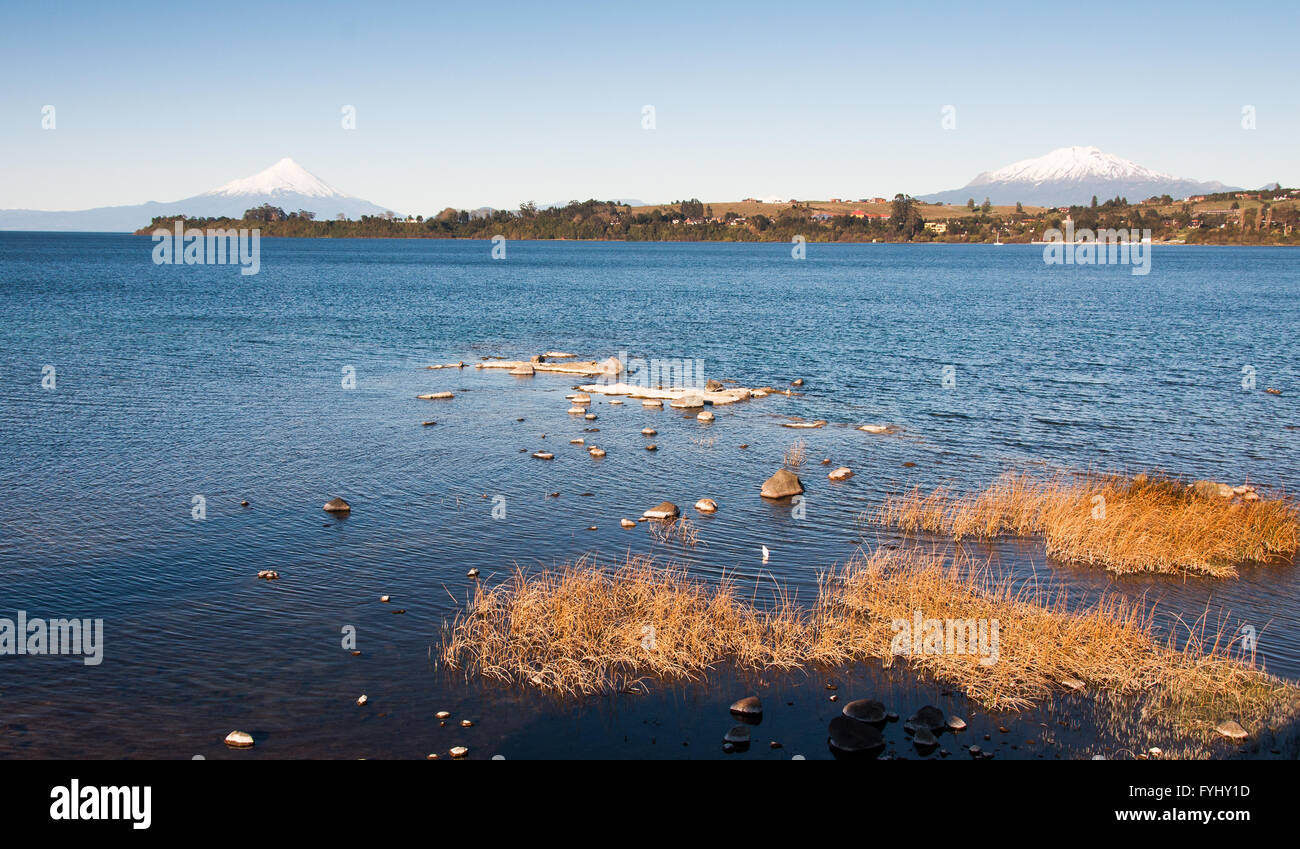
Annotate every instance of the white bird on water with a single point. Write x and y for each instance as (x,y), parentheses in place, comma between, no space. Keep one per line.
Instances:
(766,553)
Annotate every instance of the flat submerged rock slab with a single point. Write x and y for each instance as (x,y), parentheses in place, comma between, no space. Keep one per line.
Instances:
(588,368)
(717,397)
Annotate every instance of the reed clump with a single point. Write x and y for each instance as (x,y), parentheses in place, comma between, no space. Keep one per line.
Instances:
(795,455)
(583,629)
(1125,524)
(681,530)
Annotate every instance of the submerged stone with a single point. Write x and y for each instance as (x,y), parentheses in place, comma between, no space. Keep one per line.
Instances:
(849,737)
(929,717)
(738,736)
(865,710)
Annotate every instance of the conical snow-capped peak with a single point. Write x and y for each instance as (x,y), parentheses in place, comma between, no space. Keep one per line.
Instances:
(284,177)
(1071,164)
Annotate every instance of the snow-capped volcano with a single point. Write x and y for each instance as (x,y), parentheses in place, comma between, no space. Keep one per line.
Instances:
(284,177)
(1071,163)
(1073,175)
(285,184)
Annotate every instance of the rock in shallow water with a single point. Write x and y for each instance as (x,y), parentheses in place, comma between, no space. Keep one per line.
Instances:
(738,736)
(239,739)
(665,510)
(924,740)
(338,505)
(1212,489)
(782,485)
(865,710)
(843,473)
(929,717)
(750,706)
(849,737)
(706,505)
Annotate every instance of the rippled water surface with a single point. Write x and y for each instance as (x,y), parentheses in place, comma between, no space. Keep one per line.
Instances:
(176,382)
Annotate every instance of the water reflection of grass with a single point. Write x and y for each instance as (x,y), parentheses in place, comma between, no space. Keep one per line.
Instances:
(584,629)
(1138,524)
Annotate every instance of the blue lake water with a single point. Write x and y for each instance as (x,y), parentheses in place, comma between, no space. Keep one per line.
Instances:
(180,381)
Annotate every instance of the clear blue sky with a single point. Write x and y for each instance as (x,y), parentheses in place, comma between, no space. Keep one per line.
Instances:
(472,104)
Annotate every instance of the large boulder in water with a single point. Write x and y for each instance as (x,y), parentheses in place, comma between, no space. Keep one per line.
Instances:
(338,505)
(783,484)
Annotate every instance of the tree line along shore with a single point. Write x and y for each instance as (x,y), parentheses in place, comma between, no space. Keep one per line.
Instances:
(1269,217)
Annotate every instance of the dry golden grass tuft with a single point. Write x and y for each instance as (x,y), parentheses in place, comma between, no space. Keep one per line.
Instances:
(584,629)
(1138,524)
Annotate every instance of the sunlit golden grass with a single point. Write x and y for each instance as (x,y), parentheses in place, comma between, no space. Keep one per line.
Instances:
(1138,524)
(583,629)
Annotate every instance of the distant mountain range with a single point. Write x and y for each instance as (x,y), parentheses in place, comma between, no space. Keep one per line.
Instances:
(1073,175)
(1069,175)
(285,184)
